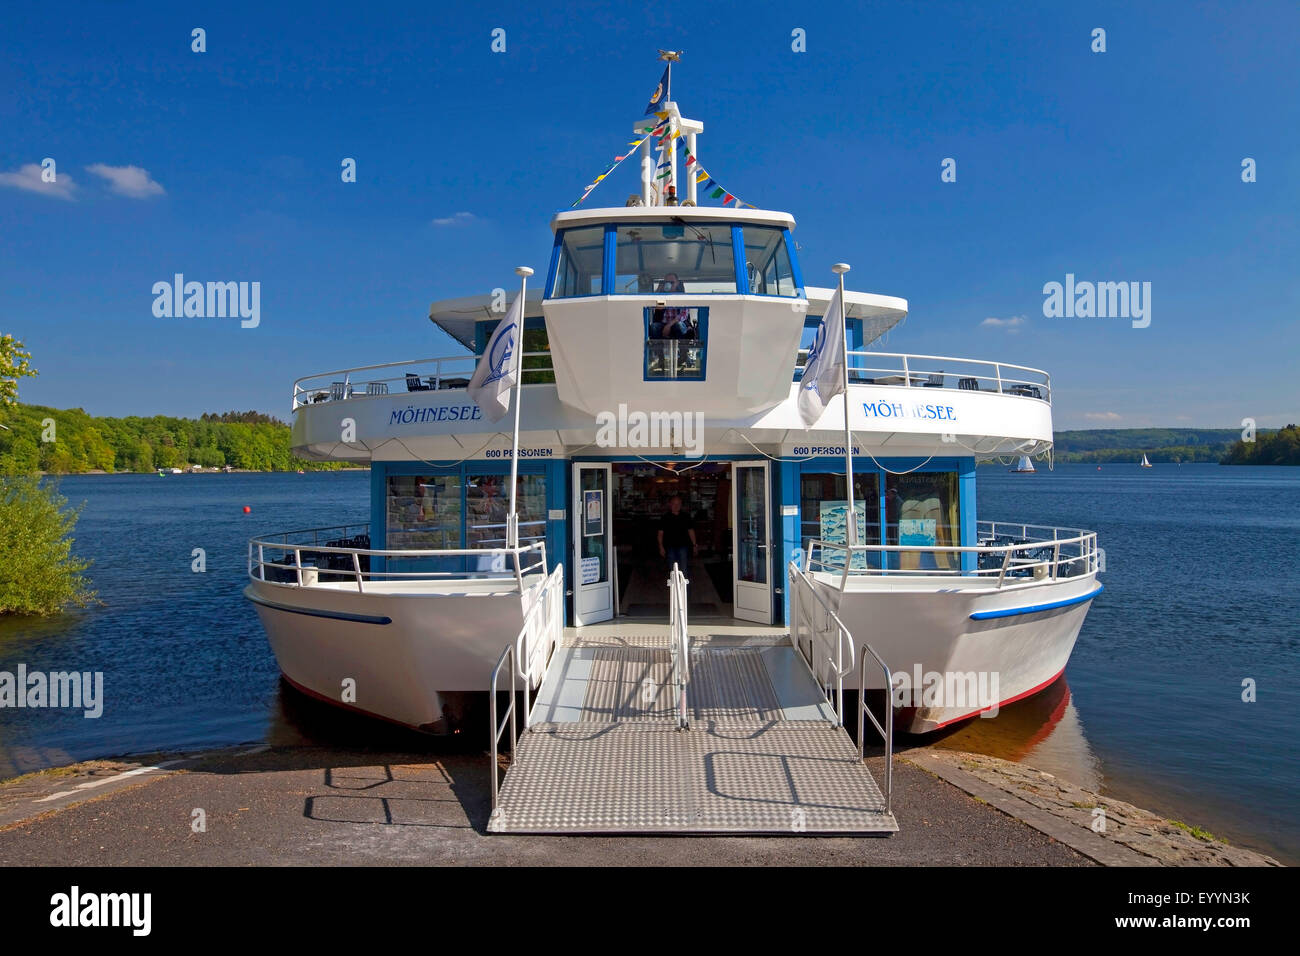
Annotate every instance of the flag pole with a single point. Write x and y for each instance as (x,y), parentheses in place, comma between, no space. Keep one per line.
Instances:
(512,521)
(851,522)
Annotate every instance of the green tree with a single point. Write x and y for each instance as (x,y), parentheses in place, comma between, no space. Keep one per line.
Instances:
(15,363)
(38,572)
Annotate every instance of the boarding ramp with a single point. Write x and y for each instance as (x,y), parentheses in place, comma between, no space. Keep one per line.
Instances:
(689,729)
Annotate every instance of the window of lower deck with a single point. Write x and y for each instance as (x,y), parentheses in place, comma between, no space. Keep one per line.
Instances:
(823,510)
(487,503)
(423,512)
(923,509)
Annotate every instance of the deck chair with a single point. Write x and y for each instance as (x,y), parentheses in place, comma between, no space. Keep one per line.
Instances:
(413,383)
(970,384)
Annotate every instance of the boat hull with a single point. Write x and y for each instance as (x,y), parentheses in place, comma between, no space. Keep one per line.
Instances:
(956,653)
(415,659)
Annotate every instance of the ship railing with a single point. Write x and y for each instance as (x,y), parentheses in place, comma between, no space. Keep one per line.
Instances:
(942,371)
(508,661)
(1005,552)
(830,650)
(869,659)
(313,557)
(679,641)
(415,376)
(541,634)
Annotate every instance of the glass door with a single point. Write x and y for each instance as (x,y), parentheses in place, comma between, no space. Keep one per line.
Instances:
(751,555)
(593,545)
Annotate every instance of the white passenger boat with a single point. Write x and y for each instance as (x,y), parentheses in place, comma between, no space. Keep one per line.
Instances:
(663,357)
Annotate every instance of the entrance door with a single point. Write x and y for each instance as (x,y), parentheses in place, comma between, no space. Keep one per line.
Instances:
(593,545)
(751,556)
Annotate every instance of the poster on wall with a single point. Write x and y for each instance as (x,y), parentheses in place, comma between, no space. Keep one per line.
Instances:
(593,513)
(590,570)
(917,532)
(835,530)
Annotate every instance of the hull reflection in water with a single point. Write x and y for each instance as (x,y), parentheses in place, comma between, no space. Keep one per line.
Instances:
(1043,731)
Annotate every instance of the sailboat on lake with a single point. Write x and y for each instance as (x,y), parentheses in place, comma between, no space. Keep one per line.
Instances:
(1144,463)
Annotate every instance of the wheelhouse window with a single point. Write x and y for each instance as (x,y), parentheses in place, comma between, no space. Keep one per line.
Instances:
(581,265)
(767,262)
(673,258)
(676,343)
(922,509)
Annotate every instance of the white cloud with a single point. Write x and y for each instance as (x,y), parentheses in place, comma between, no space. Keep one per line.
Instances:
(456,219)
(1103,416)
(1011,325)
(129,181)
(28,176)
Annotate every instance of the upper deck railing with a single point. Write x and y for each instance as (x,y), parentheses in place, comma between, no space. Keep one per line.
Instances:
(942,371)
(865,368)
(416,375)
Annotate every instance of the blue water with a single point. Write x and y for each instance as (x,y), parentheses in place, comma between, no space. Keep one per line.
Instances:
(1202,591)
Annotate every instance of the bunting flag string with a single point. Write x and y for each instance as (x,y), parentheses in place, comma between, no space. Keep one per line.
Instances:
(705,182)
(709,185)
(647,132)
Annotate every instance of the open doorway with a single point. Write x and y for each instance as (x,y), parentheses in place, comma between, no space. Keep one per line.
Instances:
(642,495)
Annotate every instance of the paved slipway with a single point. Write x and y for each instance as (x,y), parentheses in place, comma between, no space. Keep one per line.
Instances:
(309,805)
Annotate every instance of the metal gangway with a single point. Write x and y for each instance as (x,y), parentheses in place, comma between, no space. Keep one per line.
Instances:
(699,729)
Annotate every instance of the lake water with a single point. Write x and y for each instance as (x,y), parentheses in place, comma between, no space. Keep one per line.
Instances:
(1202,593)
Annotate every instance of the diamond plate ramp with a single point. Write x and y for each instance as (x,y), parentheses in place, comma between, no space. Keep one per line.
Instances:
(763,754)
(648,777)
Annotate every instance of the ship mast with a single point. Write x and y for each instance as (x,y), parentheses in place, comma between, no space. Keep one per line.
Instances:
(677,125)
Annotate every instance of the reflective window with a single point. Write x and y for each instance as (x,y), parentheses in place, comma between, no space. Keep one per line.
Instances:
(767,262)
(676,342)
(823,507)
(582,262)
(922,509)
(423,512)
(487,503)
(673,258)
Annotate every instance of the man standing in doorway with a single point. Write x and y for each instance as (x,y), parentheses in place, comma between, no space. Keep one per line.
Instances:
(677,536)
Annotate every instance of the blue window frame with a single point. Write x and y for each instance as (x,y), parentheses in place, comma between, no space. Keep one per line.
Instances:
(676,344)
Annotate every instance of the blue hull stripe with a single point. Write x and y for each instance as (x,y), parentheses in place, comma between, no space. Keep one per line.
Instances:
(1033,608)
(334,615)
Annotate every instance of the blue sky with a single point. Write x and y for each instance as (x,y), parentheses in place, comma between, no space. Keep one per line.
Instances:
(1123,165)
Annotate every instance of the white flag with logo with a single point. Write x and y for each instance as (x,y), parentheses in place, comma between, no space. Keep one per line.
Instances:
(499,366)
(823,375)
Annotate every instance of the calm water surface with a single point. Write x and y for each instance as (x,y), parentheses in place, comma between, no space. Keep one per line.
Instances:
(1202,592)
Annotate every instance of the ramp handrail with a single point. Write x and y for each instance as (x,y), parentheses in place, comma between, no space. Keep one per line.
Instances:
(540,635)
(680,643)
(499,728)
(835,649)
(886,732)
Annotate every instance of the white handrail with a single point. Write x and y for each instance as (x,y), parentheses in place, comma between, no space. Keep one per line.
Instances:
(1023,557)
(834,649)
(679,643)
(257,566)
(466,367)
(540,634)
(905,368)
